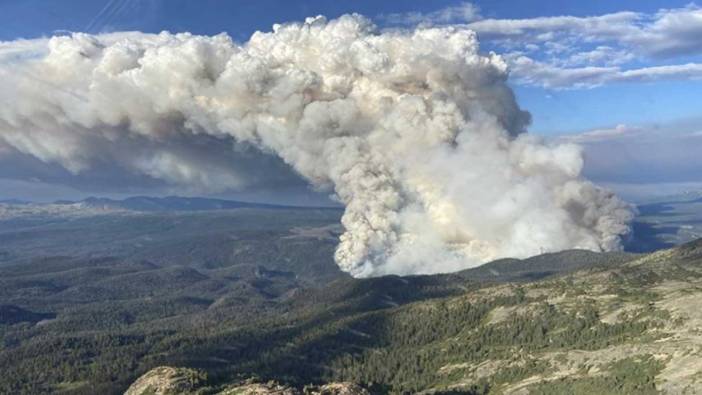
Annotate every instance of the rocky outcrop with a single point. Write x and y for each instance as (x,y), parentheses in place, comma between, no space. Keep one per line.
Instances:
(253,388)
(167,380)
(339,389)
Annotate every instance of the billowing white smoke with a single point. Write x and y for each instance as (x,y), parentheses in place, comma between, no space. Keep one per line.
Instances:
(417,134)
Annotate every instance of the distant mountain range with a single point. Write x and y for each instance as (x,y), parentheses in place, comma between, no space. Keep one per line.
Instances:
(169,203)
(139,204)
(661,223)
(13,201)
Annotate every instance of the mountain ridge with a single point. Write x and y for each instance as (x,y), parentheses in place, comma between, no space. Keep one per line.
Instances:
(611,328)
(176,203)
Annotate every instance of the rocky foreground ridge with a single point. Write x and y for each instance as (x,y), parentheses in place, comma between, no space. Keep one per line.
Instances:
(166,380)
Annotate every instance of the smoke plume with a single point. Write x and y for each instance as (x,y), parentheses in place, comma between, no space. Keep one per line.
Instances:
(415,132)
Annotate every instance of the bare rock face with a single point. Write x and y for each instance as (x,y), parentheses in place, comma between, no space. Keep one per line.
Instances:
(273,388)
(339,389)
(167,380)
(253,388)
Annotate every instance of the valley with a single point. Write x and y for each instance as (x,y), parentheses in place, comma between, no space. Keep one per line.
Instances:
(92,302)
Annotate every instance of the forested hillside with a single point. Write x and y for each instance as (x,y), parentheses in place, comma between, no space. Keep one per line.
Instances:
(264,301)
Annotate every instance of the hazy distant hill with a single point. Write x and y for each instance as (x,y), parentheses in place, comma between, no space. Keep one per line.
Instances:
(661,223)
(170,203)
(13,201)
(544,265)
(94,206)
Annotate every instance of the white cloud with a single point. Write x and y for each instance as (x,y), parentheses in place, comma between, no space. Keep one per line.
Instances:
(669,32)
(673,32)
(528,71)
(609,26)
(605,55)
(461,13)
(603,134)
(21,49)
(571,52)
(688,71)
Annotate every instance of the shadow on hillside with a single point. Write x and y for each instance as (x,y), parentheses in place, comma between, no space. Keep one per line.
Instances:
(660,209)
(648,238)
(665,209)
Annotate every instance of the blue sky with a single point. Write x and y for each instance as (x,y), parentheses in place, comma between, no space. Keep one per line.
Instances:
(624,67)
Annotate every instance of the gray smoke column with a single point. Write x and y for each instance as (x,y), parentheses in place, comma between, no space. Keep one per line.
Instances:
(415,132)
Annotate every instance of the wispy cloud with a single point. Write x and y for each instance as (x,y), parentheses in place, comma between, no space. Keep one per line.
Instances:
(528,71)
(570,52)
(667,33)
(461,13)
(603,134)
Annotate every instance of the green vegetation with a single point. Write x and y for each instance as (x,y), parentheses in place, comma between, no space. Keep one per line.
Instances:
(634,375)
(258,302)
